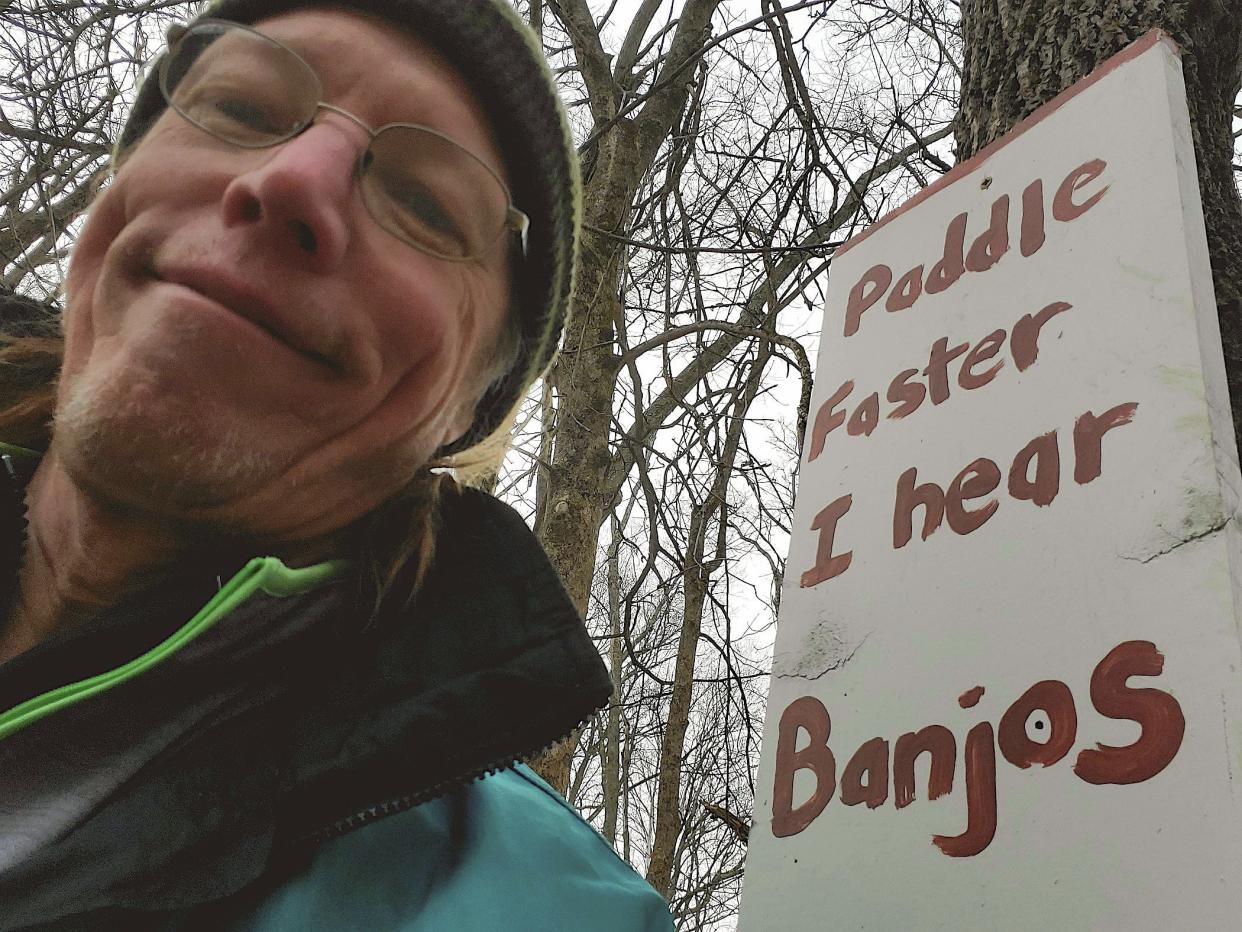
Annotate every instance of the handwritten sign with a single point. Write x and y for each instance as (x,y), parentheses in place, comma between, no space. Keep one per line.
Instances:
(1006,685)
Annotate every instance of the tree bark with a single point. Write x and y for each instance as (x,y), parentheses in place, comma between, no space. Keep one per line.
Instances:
(536,18)
(1019,54)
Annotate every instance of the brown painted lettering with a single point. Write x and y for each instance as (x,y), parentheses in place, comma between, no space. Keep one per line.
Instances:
(935,740)
(865,293)
(828,419)
(826,564)
(951,265)
(980,797)
(1158,714)
(1089,430)
(929,495)
(905,394)
(865,417)
(970,698)
(1063,206)
(993,243)
(1032,217)
(1041,490)
(976,480)
(1025,342)
(906,291)
(1016,745)
(870,761)
(984,350)
(937,368)
(808,714)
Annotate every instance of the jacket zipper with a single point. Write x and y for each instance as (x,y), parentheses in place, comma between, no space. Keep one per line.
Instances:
(12,510)
(400,804)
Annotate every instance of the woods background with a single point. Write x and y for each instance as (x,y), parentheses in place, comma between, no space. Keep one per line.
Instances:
(727,148)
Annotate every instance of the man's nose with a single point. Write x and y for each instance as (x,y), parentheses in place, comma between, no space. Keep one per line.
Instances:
(301,194)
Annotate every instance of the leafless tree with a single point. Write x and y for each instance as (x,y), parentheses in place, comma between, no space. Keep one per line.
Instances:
(73,66)
(723,160)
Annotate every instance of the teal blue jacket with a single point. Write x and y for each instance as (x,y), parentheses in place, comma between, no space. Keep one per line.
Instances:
(245,747)
(533,865)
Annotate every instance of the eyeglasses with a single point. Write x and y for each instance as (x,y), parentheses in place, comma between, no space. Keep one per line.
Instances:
(247,89)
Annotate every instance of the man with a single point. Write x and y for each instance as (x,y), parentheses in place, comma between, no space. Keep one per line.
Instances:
(256,652)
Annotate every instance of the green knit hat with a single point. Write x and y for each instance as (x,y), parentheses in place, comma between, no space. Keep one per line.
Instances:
(503,63)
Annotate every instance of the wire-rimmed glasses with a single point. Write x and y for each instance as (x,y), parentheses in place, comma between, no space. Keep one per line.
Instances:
(247,89)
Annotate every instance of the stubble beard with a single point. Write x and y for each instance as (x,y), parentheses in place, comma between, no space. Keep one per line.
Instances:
(139,448)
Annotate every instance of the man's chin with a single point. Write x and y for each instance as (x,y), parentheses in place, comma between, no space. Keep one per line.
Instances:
(158,456)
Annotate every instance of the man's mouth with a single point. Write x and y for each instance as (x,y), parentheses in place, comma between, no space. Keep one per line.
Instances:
(250,303)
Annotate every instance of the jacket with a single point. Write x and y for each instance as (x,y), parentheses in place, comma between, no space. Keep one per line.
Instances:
(237,748)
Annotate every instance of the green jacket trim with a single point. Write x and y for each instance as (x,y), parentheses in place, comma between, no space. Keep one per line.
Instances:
(20,454)
(262,574)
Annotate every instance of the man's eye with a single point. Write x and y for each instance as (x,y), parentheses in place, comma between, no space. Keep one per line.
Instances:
(248,114)
(422,204)
(425,214)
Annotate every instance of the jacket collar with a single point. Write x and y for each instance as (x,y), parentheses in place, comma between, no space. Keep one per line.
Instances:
(491,664)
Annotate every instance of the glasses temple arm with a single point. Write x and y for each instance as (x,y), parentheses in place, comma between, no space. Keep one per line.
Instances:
(518,221)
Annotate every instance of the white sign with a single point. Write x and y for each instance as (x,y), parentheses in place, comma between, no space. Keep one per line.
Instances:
(1006,687)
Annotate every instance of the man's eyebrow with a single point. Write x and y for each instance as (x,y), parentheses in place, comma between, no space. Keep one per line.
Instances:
(322,49)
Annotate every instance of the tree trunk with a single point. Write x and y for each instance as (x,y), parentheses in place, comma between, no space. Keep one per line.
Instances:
(536,18)
(611,762)
(585,373)
(1020,54)
(585,376)
(696,578)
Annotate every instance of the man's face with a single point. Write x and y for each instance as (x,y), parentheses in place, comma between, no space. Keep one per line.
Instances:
(246,348)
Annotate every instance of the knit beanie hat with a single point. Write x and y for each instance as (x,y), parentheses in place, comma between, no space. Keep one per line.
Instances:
(503,63)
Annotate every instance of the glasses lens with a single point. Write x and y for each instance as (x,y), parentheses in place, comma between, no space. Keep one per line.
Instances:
(239,85)
(430,192)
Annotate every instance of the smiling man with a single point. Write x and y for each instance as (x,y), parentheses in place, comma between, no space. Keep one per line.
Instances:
(262,664)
